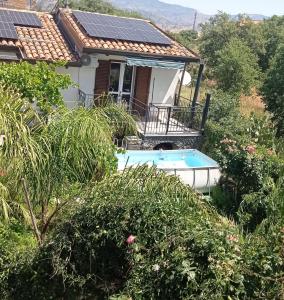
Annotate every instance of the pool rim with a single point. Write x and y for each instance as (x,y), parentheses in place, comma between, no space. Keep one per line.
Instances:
(214,166)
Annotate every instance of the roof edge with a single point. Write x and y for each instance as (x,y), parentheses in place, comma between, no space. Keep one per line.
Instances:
(139,54)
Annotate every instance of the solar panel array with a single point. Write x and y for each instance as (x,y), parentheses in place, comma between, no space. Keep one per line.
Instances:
(8,31)
(110,27)
(9,19)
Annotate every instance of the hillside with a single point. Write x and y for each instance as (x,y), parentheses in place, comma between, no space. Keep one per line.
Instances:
(168,16)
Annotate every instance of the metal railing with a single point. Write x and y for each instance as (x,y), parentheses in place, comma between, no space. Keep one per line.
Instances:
(157,119)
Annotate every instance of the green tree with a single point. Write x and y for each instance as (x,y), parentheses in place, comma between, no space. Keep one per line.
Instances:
(254,36)
(273,89)
(273,30)
(101,6)
(141,233)
(237,69)
(215,34)
(39,83)
(47,164)
(189,38)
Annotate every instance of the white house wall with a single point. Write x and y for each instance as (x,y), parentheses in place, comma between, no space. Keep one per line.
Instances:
(163,86)
(84,79)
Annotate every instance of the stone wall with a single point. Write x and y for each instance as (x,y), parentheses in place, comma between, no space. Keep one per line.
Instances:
(178,142)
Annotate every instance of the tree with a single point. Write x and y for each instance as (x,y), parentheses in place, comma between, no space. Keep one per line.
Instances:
(273,30)
(237,70)
(44,165)
(273,89)
(39,83)
(215,34)
(186,37)
(142,234)
(101,6)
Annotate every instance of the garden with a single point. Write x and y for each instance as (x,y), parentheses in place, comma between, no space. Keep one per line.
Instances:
(71,227)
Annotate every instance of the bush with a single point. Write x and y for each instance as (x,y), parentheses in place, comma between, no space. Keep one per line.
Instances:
(273,89)
(237,70)
(141,234)
(39,83)
(263,250)
(246,151)
(14,240)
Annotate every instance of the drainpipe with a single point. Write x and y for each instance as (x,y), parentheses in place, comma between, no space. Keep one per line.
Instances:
(196,93)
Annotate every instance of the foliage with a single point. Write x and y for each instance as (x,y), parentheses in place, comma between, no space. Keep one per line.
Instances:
(121,121)
(39,83)
(237,68)
(273,30)
(260,38)
(264,250)
(18,121)
(245,148)
(14,240)
(273,89)
(54,160)
(215,34)
(163,243)
(223,105)
(186,37)
(101,6)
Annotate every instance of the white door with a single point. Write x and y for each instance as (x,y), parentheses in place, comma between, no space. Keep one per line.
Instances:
(121,81)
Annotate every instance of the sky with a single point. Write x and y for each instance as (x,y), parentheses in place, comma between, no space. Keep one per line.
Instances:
(264,7)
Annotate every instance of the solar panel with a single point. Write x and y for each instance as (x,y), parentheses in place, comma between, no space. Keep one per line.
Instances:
(103,26)
(10,18)
(20,18)
(8,31)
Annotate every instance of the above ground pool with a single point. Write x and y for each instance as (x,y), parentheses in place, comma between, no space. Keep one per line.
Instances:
(193,167)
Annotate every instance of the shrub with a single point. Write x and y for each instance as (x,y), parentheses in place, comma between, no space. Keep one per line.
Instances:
(39,83)
(141,234)
(263,250)
(237,70)
(246,151)
(14,240)
(273,89)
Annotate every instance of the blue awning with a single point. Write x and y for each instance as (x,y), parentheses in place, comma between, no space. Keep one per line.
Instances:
(155,63)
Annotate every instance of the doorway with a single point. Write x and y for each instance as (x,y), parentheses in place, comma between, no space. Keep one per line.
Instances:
(121,82)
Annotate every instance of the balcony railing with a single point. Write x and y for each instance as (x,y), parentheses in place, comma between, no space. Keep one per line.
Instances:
(159,119)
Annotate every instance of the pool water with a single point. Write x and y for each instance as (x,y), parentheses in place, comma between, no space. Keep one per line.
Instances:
(179,159)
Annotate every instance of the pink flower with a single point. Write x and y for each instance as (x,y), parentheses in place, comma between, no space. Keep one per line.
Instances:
(131,239)
(2,173)
(232,238)
(251,149)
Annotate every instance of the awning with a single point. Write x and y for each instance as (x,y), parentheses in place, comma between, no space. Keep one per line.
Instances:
(155,63)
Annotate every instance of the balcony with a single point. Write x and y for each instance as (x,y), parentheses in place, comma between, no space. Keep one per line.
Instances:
(160,119)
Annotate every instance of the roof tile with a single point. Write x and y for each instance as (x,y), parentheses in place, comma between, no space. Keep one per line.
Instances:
(32,41)
(175,49)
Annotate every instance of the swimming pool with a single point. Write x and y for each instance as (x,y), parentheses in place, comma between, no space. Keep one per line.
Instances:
(193,167)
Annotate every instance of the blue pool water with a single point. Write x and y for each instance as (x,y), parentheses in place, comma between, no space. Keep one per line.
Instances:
(166,159)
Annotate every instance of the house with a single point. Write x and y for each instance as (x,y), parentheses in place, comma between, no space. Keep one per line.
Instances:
(130,59)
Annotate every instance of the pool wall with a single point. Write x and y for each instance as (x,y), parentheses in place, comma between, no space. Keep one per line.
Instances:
(193,167)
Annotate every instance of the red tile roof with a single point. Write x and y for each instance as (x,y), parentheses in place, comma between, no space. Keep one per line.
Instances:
(83,41)
(46,43)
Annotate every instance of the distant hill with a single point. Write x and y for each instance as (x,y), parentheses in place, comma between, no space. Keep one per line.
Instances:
(168,16)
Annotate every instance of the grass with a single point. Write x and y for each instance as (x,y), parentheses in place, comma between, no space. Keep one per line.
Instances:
(248,104)
(252,104)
